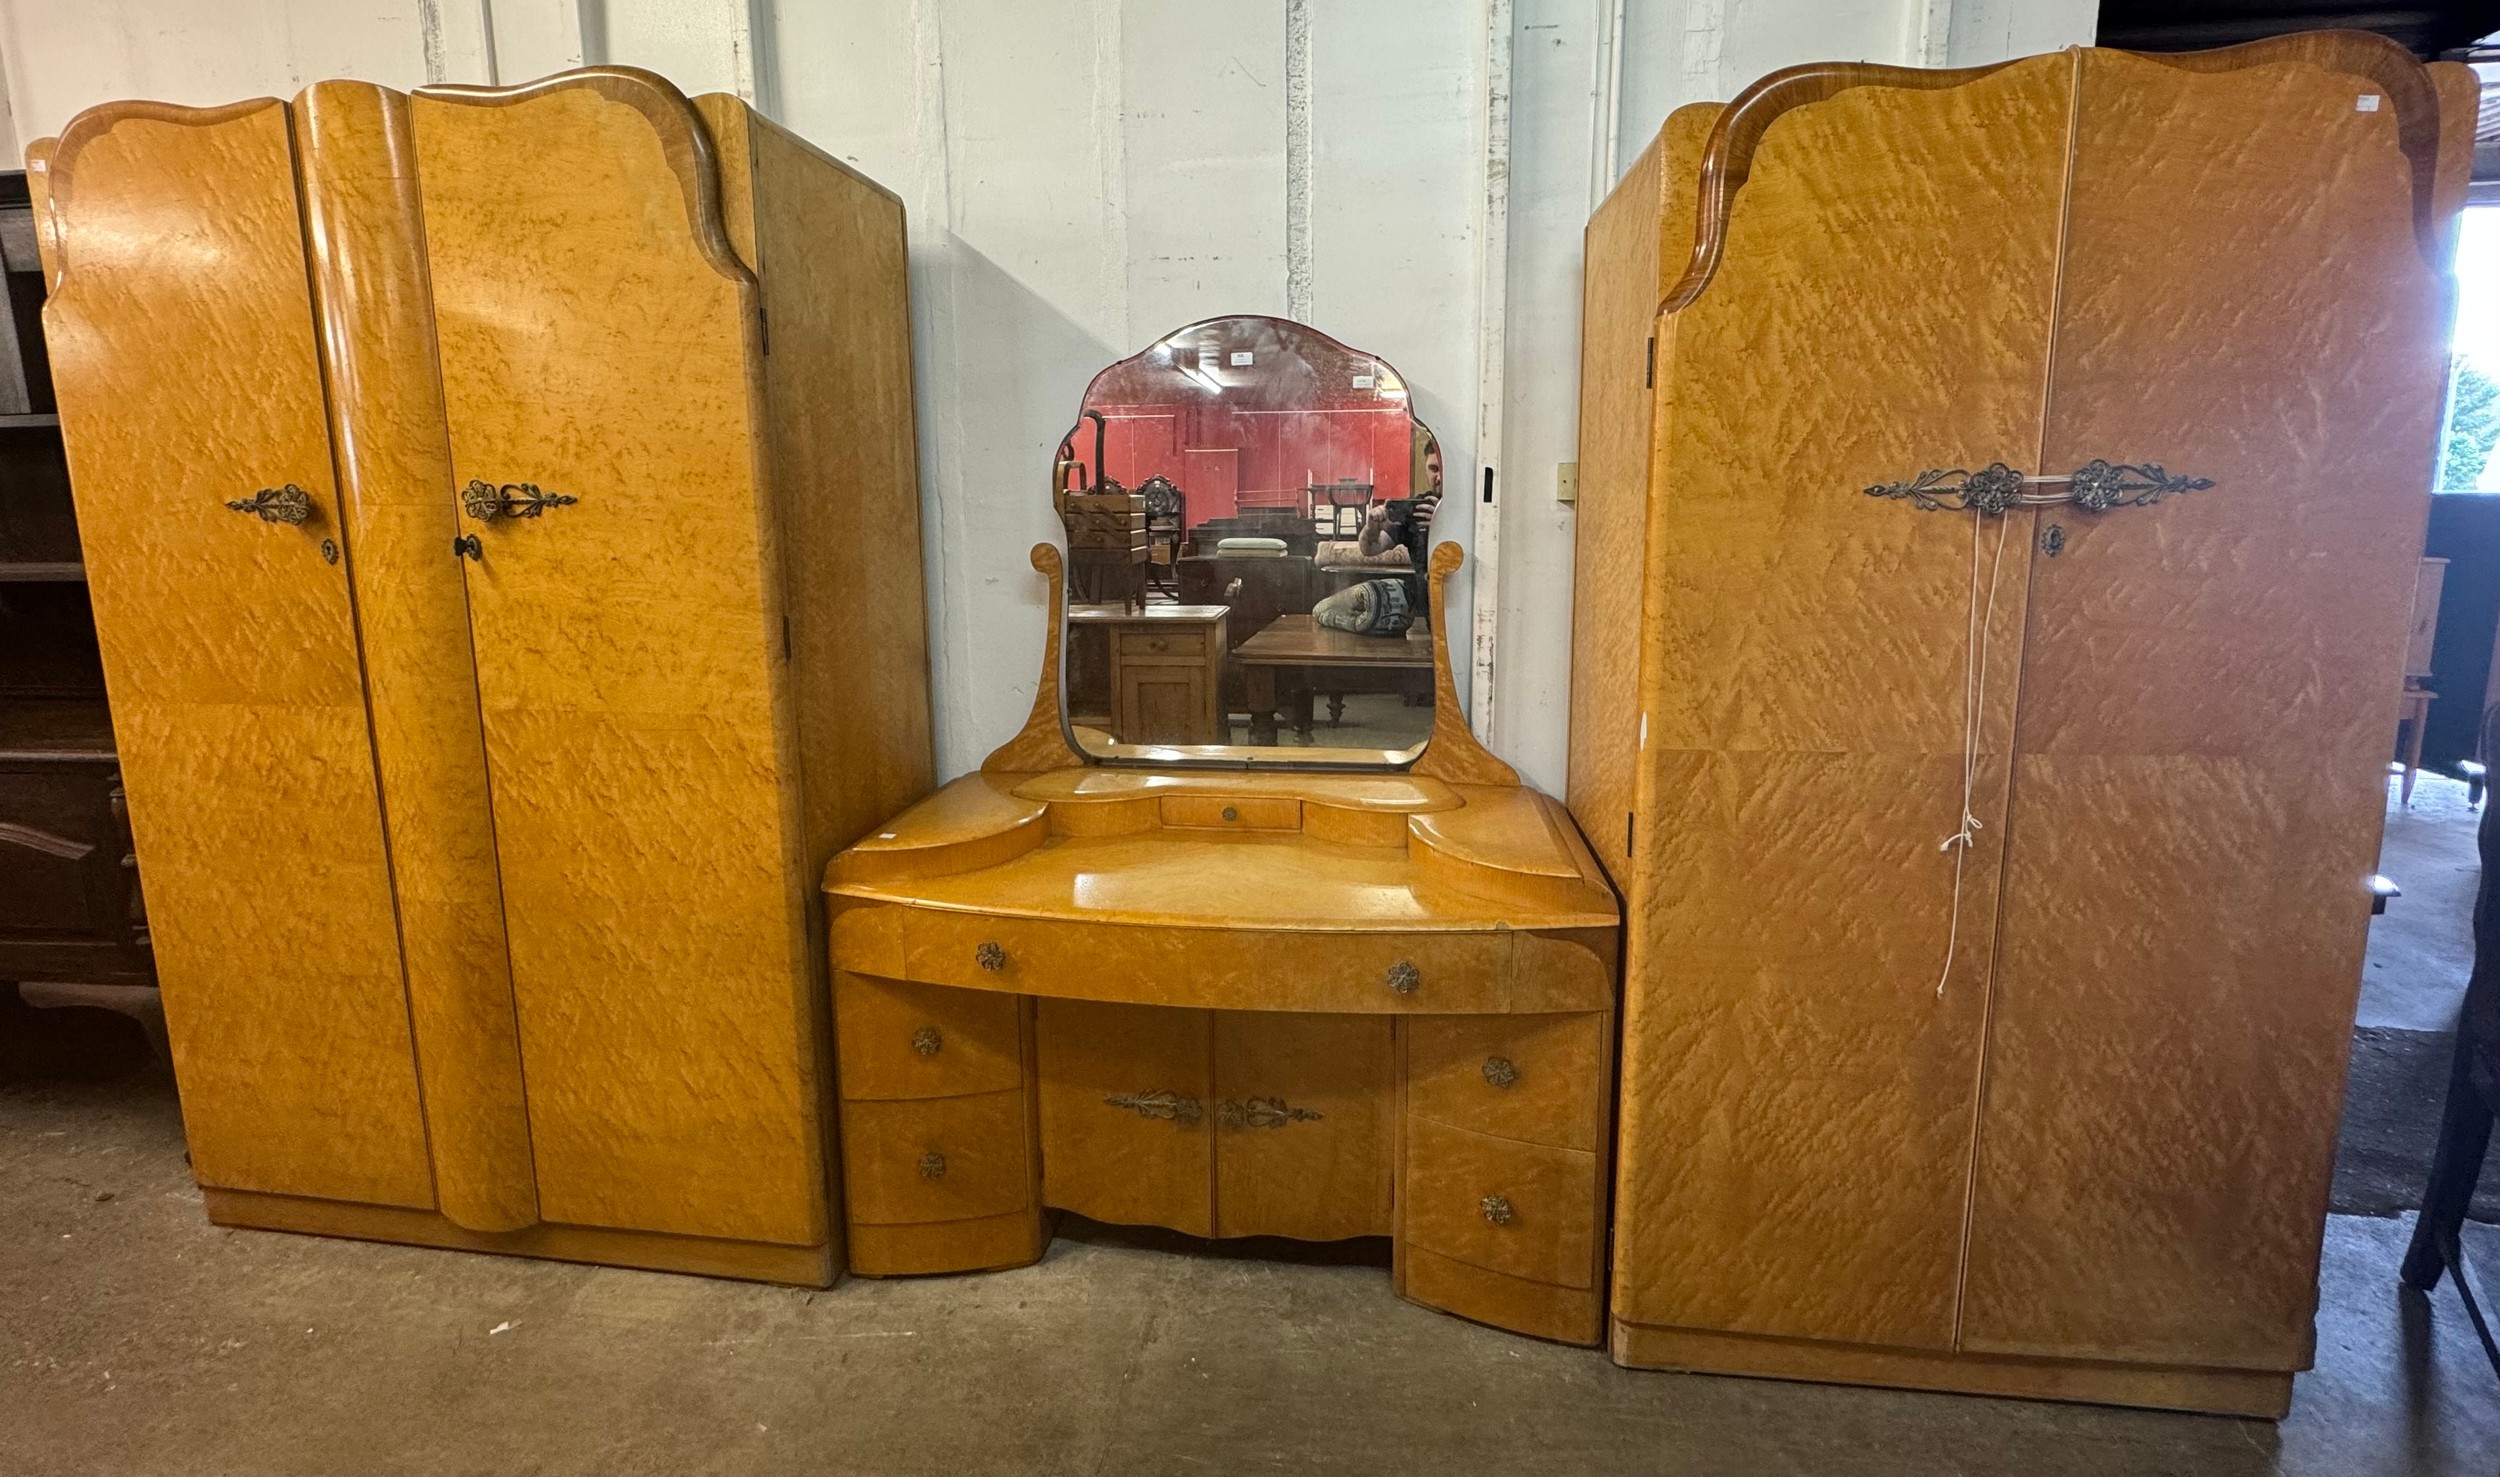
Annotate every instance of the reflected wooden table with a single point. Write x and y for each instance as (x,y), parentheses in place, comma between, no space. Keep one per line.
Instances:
(1295,656)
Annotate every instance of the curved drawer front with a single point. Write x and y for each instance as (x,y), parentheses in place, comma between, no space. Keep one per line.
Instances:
(1523,1209)
(939,1159)
(899,1040)
(1218,968)
(1539,1078)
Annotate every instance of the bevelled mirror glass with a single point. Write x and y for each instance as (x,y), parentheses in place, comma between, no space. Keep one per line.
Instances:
(1248,506)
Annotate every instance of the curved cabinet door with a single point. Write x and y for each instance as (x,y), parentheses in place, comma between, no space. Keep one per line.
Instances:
(182,342)
(600,354)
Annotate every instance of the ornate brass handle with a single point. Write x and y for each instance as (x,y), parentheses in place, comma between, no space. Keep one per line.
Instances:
(1261,1112)
(1161,1103)
(926,1041)
(1499,1071)
(2095,487)
(990,957)
(487,503)
(290,505)
(1405,978)
(1497,1210)
(933,1165)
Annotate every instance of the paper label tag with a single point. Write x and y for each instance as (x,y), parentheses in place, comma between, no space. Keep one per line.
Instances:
(2366,103)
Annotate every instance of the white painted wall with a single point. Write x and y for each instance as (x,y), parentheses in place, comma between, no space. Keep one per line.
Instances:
(1085,174)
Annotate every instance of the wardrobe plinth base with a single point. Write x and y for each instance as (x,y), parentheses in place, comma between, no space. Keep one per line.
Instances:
(700,1256)
(2266,1394)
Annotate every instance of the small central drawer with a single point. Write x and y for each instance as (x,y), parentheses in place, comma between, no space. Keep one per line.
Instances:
(1232,813)
(1522,1209)
(901,1040)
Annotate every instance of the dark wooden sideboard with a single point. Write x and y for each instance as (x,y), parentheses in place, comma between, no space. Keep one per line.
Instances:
(70,909)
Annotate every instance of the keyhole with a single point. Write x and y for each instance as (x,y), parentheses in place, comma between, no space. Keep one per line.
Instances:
(2053,540)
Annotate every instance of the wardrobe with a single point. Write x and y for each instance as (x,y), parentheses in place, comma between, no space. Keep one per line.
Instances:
(502,517)
(2001,494)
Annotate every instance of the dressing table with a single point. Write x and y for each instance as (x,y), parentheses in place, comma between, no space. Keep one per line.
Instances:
(1234,992)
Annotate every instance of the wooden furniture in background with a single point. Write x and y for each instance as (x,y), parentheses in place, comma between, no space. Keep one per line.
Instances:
(612,627)
(70,908)
(2414,708)
(1164,667)
(1282,1003)
(1294,656)
(2049,1111)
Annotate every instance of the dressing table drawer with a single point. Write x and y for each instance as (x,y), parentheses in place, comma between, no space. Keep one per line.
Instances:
(938,1159)
(1539,1078)
(900,1040)
(1218,968)
(1182,644)
(1525,1210)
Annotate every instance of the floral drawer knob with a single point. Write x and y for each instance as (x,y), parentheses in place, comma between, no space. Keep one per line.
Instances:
(933,1165)
(1497,1210)
(1499,1071)
(990,957)
(926,1041)
(1405,978)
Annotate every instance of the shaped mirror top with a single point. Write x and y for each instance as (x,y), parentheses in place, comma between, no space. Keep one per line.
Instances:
(1248,506)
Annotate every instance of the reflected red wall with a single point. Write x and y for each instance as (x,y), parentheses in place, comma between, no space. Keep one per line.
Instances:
(1227,460)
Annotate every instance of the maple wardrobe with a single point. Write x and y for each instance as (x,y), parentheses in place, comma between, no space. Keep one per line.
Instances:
(486,728)
(2089,400)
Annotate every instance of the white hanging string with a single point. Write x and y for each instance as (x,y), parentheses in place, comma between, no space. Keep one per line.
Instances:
(1982,615)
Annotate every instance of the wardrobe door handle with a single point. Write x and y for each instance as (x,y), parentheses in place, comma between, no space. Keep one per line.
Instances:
(487,503)
(290,505)
(1161,1103)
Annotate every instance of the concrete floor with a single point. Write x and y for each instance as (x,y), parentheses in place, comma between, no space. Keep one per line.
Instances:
(135,1336)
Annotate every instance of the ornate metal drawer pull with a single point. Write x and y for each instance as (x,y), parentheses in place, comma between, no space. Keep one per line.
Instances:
(933,1165)
(926,1041)
(1499,1071)
(1497,1209)
(2095,487)
(1161,1103)
(289,504)
(512,500)
(1405,978)
(1262,1112)
(990,957)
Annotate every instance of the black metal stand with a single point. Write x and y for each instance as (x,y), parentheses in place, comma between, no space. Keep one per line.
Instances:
(2465,1126)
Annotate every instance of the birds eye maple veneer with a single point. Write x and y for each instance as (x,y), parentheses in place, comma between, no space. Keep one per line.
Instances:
(1234,1002)
(2048,444)
(502,518)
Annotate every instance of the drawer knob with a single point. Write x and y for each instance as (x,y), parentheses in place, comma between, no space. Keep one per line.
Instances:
(1498,1070)
(926,1041)
(990,957)
(1404,977)
(1496,1209)
(933,1167)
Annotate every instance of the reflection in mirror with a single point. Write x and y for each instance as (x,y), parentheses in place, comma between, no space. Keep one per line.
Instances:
(1248,506)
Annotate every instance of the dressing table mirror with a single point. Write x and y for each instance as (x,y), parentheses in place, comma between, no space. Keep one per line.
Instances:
(1248,506)
(1135,971)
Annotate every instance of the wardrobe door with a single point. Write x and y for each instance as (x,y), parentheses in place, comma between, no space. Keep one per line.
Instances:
(183,348)
(1798,1089)
(367,239)
(599,353)
(2207,700)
